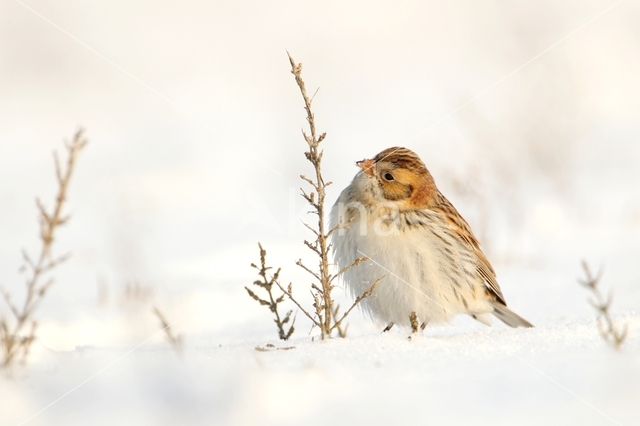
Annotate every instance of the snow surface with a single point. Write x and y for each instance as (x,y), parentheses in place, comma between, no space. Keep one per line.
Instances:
(559,374)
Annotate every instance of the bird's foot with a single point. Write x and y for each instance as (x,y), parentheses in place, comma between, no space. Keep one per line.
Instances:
(414,323)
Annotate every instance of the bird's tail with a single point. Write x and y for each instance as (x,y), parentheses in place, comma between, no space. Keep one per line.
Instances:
(509,317)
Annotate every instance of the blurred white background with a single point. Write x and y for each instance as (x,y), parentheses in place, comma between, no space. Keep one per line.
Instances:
(527,114)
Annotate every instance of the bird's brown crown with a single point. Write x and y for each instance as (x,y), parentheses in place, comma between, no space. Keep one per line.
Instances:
(401,158)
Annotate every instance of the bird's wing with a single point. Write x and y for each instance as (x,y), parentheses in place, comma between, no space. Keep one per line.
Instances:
(463,230)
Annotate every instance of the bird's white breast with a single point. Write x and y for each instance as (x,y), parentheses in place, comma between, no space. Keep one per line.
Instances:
(423,270)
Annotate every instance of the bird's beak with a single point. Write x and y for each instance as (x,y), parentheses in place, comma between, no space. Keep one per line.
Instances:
(367,166)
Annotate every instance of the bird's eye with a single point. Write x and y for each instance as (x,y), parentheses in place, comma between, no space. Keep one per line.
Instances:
(388,177)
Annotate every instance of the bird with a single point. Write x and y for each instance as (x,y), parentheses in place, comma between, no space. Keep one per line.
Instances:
(393,227)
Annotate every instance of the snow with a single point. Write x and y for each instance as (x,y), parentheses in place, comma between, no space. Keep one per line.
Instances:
(559,373)
(194,156)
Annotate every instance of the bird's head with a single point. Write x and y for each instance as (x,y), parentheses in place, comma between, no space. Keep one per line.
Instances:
(397,175)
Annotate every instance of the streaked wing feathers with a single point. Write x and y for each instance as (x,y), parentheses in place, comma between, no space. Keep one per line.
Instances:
(463,230)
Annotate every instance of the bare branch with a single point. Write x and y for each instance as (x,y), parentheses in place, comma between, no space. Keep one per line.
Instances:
(289,294)
(16,339)
(325,311)
(310,198)
(342,331)
(272,301)
(175,340)
(309,181)
(335,228)
(355,263)
(12,307)
(608,329)
(368,292)
(310,229)
(302,265)
(313,247)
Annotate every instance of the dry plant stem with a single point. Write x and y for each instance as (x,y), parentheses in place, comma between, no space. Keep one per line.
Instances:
(175,340)
(368,292)
(609,331)
(320,245)
(326,312)
(288,291)
(355,263)
(272,302)
(12,337)
(342,331)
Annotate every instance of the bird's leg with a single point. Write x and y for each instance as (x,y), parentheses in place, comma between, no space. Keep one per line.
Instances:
(388,327)
(423,326)
(413,320)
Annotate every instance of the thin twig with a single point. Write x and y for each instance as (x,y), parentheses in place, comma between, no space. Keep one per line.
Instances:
(325,311)
(16,339)
(368,292)
(175,340)
(609,331)
(289,294)
(284,331)
(353,264)
(342,331)
(314,156)
(302,265)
